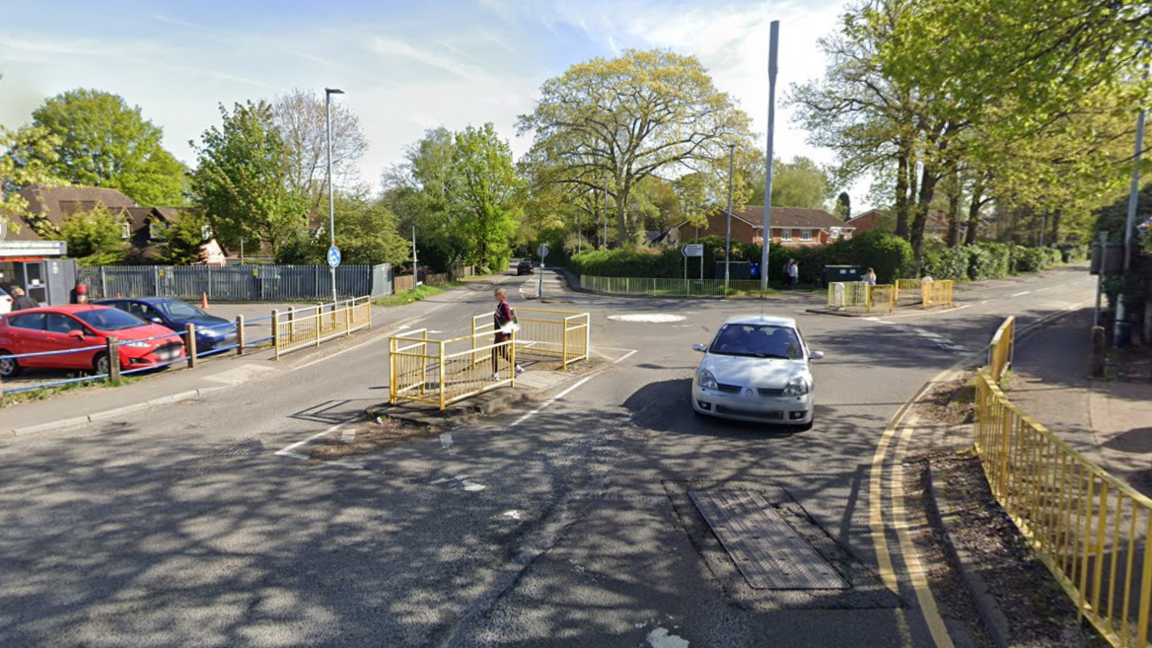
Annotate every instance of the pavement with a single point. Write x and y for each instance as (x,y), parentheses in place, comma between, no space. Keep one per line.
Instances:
(553,524)
(1108,421)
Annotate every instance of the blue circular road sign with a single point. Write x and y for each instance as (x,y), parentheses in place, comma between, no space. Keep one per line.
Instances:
(334,256)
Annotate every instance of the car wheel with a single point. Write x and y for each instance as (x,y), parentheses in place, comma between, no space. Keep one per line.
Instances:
(101,365)
(9,368)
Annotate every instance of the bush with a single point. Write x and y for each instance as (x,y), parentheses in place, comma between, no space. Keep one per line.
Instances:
(989,261)
(945,263)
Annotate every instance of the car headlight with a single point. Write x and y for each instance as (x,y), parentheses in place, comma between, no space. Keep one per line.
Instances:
(797,387)
(137,345)
(705,379)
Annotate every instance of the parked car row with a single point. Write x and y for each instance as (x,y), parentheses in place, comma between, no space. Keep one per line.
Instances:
(73,337)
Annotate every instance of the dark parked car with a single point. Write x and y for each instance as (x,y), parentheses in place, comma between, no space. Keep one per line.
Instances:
(525,267)
(211,332)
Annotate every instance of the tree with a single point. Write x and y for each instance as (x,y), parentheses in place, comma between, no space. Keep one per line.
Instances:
(487,192)
(366,231)
(242,180)
(301,118)
(799,183)
(844,206)
(624,119)
(95,237)
(27,160)
(184,238)
(102,141)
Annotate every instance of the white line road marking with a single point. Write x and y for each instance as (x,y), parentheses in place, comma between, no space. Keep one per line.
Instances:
(624,357)
(550,402)
(288,450)
(1021,294)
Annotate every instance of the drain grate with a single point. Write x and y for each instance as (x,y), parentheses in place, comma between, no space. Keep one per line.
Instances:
(767,550)
(247,448)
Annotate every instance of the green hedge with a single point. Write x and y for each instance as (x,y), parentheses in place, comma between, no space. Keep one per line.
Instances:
(945,263)
(1026,259)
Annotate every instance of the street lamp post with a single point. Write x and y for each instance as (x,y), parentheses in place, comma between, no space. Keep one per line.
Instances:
(328,92)
(766,229)
(728,233)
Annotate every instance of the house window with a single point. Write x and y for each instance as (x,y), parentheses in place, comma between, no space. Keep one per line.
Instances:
(125,230)
(786,235)
(805,235)
(157,232)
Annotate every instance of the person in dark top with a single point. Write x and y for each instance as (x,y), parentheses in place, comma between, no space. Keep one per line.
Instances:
(22,301)
(504,322)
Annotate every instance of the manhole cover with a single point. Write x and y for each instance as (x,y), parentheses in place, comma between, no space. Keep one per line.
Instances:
(767,550)
(243,449)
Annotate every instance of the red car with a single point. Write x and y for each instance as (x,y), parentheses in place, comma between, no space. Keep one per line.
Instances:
(61,328)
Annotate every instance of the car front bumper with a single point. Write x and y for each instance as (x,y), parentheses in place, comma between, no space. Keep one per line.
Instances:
(752,407)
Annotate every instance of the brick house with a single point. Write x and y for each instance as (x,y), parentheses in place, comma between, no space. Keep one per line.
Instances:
(884,221)
(143,227)
(791,227)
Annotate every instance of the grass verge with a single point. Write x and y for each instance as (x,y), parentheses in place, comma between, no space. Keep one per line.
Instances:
(410,296)
(45,393)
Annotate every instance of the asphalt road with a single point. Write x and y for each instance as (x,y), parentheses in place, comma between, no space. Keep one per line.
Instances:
(573,528)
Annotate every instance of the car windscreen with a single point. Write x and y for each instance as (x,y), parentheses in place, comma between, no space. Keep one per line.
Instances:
(178,310)
(109,319)
(758,341)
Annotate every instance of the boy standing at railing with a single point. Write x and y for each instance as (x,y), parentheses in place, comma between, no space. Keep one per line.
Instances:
(504,322)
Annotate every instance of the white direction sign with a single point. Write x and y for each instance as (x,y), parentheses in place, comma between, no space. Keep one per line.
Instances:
(693,250)
(542,251)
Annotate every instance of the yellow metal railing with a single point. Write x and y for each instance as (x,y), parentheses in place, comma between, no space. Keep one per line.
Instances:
(1089,528)
(1001,349)
(859,295)
(908,292)
(936,293)
(561,334)
(310,326)
(668,287)
(442,372)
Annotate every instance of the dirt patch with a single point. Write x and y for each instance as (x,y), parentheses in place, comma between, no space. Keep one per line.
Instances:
(1132,365)
(1039,612)
(370,436)
(950,403)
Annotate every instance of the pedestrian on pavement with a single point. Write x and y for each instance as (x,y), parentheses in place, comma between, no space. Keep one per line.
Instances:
(22,301)
(504,322)
(869,277)
(793,272)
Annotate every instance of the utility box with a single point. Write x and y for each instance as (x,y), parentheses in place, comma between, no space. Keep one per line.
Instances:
(844,273)
(1110,255)
(737,271)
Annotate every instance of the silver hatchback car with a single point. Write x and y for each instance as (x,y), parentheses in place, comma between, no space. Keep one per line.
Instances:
(757,369)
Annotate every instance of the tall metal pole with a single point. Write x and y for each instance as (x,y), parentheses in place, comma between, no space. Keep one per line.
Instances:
(605,212)
(328,92)
(766,231)
(1120,331)
(415,266)
(728,232)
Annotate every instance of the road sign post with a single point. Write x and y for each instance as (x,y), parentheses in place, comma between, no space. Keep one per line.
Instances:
(542,251)
(333,263)
(693,250)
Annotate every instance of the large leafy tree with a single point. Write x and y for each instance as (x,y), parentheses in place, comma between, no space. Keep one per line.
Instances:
(621,120)
(242,180)
(487,192)
(95,237)
(799,183)
(301,117)
(185,236)
(27,160)
(102,141)
(366,231)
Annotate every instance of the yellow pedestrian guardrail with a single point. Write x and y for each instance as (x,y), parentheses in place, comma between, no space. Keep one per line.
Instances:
(1001,349)
(442,372)
(937,293)
(1089,528)
(668,287)
(859,295)
(561,334)
(908,292)
(311,326)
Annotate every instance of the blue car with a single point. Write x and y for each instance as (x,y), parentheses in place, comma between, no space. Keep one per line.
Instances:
(212,332)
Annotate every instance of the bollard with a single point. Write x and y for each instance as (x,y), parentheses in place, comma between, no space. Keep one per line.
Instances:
(348,318)
(113,359)
(239,335)
(1099,351)
(190,345)
(276,332)
(291,323)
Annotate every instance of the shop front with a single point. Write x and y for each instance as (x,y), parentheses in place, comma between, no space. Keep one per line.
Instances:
(40,269)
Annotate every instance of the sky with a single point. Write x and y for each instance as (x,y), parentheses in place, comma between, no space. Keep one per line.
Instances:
(405,66)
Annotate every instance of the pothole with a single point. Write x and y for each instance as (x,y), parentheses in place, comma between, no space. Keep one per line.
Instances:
(370,436)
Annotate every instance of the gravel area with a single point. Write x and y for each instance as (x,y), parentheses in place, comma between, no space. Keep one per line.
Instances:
(370,436)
